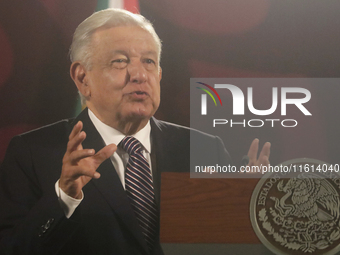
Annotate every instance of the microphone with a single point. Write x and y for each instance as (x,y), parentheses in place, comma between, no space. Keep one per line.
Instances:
(245,160)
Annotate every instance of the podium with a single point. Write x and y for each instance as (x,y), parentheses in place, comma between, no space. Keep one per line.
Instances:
(207,215)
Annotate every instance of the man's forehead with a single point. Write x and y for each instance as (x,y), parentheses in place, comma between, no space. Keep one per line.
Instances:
(120,33)
(120,39)
(129,51)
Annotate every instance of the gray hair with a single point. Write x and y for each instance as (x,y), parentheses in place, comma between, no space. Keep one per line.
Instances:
(80,49)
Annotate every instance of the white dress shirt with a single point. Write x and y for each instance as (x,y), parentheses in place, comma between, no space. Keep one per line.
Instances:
(119,159)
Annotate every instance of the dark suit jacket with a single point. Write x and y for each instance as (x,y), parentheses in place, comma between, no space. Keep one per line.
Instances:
(31,220)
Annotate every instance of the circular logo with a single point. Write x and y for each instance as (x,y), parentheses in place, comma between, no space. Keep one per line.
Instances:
(297,211)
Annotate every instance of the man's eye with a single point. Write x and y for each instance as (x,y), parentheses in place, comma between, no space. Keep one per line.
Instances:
(119,63)
(149,61)
(121,60)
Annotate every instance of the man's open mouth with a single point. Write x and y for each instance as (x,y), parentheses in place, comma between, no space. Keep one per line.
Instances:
(140,93)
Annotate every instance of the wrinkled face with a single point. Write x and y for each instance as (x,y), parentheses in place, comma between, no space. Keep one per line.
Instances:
(124,79)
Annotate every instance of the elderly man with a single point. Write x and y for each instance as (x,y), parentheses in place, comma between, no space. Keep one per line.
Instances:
(91,185)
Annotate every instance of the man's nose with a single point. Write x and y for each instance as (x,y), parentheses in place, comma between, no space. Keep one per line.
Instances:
(137,72)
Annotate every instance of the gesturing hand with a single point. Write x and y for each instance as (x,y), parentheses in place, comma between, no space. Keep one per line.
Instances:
(263,158)
(80,165)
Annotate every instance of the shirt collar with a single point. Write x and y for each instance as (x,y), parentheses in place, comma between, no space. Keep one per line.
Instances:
(112,135)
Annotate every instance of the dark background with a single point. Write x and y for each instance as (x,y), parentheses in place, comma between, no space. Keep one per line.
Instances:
(201,38)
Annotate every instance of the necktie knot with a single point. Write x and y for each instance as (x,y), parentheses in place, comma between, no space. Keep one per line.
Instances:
(131,145)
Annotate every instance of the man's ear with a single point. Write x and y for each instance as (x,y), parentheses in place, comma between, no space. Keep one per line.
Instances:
(160,73)
(78,74)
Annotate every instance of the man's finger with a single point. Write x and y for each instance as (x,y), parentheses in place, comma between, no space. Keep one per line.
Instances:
(100,156)
(75,156)
(253,149)
(105,153)
(265,152)
(264,161)
(89,171)
(76,129)
(74,143)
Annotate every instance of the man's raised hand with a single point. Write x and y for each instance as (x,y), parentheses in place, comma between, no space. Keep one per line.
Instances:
(263,159)
(80,165)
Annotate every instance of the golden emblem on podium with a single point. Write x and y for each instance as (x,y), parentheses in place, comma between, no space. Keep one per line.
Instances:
(297,211)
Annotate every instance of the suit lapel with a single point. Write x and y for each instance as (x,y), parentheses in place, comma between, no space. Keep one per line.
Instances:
(158,157)
(160,146)
(159,151)
(109,185)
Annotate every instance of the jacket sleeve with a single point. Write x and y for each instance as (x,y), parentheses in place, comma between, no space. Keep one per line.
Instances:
(31,219)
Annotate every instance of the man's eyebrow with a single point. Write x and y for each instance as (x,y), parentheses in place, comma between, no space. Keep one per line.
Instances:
(150,52)
(123,52)
(153,54)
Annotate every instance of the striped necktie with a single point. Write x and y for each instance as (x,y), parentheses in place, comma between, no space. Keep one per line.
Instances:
(139,188)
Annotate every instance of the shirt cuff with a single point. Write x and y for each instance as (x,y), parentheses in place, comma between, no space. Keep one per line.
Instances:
(67,203)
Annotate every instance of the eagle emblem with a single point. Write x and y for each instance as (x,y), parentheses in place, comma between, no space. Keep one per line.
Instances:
(298,213)
(307,212)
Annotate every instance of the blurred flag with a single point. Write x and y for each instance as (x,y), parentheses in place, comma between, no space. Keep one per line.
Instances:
(130,5)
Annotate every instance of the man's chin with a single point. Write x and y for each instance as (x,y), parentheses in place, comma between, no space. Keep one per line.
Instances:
(138,115)
(137,112)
